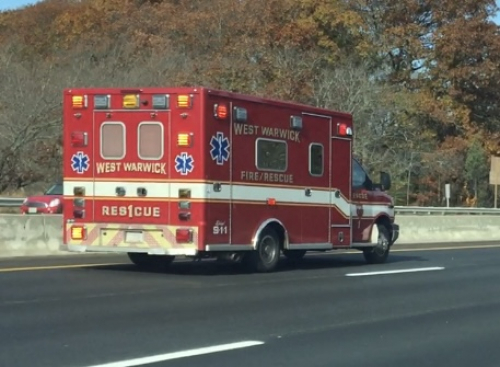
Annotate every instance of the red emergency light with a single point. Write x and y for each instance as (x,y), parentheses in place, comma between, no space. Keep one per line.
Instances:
(79,139)
(220,111)
(344,130)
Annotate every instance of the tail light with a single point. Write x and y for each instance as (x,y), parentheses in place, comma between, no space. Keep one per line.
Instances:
(79,213)
(79,202)
(183,235)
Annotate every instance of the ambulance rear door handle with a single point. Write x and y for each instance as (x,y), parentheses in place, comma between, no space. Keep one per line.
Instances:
(308,192)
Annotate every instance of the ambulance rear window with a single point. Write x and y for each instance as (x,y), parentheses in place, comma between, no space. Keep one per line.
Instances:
(316,159)
(113,140)
(271,155)
(150,145)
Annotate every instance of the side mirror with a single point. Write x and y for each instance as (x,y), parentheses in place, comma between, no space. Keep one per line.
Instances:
(385,181)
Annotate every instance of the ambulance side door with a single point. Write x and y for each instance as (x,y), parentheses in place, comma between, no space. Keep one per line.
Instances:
(314,178)
(341,155)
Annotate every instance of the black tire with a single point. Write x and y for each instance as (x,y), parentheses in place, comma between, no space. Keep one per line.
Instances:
(265,258)
(146,261)
(294,255)
(379,253)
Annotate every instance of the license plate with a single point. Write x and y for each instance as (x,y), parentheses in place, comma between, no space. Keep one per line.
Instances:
(32,210)
(133,236)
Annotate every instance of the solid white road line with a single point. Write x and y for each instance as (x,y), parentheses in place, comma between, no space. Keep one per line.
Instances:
(182,354)
(383,272)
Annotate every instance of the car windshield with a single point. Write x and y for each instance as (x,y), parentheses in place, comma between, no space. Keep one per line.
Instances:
(57,189)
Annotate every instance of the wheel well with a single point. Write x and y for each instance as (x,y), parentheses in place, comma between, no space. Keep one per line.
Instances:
(280,231)
(386,222)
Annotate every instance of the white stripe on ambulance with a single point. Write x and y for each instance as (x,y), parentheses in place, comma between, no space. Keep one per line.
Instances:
(204,191)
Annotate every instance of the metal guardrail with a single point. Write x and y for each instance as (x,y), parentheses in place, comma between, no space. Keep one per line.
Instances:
(6,202)
(422,210)
(10,202)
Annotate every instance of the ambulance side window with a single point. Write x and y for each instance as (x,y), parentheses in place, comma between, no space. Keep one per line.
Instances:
(316,159)
(271,155)
(150,145)
(358,175)
(113,140)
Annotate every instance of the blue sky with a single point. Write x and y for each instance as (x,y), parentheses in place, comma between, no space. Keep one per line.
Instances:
(12,4)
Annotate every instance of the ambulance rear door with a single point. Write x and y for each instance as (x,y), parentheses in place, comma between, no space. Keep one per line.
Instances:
(131,166)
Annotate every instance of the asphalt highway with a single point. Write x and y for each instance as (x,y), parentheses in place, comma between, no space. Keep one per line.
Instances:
(427,307)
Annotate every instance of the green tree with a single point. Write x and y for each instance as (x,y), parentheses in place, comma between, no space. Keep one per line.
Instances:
(477,173)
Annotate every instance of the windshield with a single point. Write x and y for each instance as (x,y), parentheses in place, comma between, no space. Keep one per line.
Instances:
(57,189)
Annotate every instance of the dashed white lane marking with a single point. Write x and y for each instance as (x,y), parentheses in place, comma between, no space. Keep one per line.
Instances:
(384,272)
(181,354)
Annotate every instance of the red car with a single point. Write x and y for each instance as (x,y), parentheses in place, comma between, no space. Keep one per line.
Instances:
(49,203)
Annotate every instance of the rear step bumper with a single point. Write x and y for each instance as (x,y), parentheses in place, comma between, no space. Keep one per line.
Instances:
(124,250)
(124,238)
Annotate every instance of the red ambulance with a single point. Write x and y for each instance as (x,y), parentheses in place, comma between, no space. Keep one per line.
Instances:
(163,172)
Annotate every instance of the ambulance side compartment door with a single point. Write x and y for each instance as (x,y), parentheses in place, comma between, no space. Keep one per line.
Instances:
(218,163)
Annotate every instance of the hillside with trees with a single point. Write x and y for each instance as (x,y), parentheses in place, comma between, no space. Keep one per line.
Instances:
(421,77)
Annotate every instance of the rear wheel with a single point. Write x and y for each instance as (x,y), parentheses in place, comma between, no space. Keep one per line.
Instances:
(147,261)
(379,253)
(265,258)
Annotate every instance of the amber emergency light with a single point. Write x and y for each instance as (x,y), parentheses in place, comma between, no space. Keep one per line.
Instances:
(131,101)
(79,102)
(184,101)
(78,232)
(184,140)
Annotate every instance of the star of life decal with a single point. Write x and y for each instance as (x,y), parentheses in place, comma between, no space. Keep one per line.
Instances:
(80,162)
(220,148)
(184,163)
